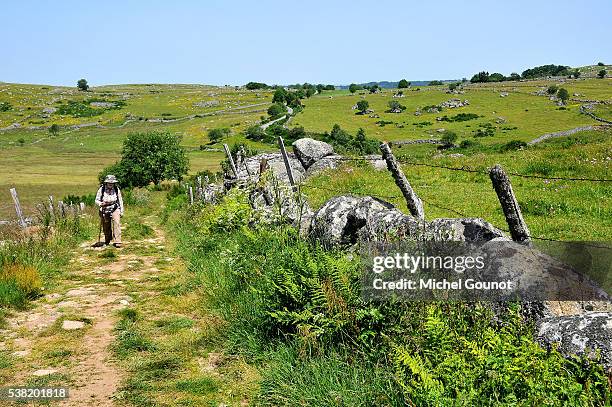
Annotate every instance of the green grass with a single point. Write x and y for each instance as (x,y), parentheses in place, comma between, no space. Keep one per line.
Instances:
(70,162)
(138,230)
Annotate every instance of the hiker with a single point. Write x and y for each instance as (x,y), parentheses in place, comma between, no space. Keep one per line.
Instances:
(110,202)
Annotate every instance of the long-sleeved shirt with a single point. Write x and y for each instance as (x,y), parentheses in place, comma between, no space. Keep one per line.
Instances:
(105,196)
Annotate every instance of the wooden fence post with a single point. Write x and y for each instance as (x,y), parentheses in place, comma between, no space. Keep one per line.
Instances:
(61,208)
(281,145)
(231,160)
(18,208)
(509,204)
(415,206)
(246,166)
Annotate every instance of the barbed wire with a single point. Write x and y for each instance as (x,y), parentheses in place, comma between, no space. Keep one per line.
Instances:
(471,170)
(453,211)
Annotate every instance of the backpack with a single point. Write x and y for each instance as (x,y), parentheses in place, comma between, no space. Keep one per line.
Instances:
(110,209)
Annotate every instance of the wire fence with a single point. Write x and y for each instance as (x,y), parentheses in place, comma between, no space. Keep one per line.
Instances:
(454,211)
(472,170)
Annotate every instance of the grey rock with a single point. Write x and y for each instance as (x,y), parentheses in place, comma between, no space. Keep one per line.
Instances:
(309,151)
(329,162)
(376,161)
(347,219)
(587,335)
(275,164)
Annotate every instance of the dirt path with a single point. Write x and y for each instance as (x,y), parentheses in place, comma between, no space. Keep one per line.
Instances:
(65,339)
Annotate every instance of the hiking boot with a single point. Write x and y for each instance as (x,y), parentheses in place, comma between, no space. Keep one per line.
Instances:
(117,245)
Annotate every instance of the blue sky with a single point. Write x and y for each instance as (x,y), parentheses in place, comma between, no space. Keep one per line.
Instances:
(233,42)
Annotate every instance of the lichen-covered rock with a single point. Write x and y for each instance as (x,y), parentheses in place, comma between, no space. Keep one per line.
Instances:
(346,219)
(329,162)
(589,335)
(309,151)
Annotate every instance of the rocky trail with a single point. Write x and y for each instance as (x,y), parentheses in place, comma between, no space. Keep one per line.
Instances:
(66,337)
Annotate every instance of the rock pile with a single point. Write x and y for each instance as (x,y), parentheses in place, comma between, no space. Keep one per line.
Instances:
(454,103)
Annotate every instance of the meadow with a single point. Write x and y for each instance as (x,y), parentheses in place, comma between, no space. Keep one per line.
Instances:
(41,164)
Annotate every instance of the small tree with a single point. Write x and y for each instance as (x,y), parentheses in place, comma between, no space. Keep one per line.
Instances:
(310,92)
(453,86)
(363,106)
(277,110)
(602,74)
(496,77)
(374,88)
(54,130)
(216,135)
(600,64)
(403,84)
(563,94)
(320,88)
(280,96)
(149,157)
(395,106)
(82,85)
(514,76)
(435,83)
(353,88)
(576,74)
(552,89)
(480,77)
(449,138)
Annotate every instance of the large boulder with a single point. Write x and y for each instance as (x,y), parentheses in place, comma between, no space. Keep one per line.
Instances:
(346,219)
(309,151)
(589,335)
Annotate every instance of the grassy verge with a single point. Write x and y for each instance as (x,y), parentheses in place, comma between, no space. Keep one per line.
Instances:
(31,260)
(295,311)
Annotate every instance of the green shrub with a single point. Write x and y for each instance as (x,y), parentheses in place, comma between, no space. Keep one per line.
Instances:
(88,199)
(216,135)
(277,110)
(513,145)
(5,106)
(468,144)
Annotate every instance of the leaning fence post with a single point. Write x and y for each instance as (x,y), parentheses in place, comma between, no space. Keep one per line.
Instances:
(281,145)
(415,206)
(246,165)
(509,204)
(18,208)
(231,160)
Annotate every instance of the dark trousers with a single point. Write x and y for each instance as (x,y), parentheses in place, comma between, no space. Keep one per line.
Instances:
(111,224)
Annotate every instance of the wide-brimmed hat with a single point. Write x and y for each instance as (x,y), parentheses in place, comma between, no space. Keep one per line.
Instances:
(110,179)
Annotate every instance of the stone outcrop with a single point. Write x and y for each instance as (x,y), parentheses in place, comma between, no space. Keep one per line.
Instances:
(588,335)
(309,151)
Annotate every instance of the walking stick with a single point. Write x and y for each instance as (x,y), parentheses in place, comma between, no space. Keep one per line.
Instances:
(99,243)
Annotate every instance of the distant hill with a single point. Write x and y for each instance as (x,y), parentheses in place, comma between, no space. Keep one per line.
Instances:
(389,85)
